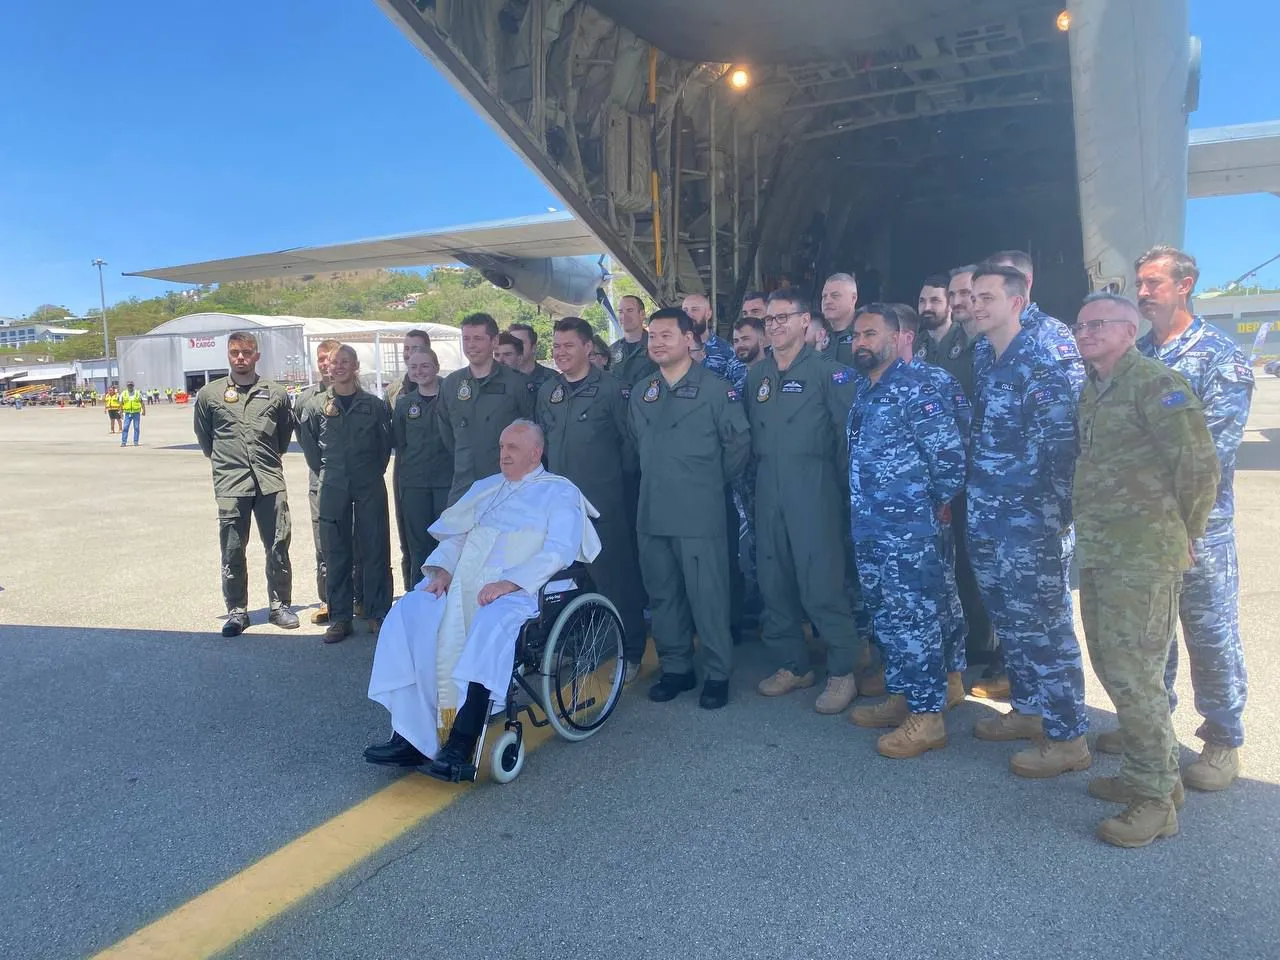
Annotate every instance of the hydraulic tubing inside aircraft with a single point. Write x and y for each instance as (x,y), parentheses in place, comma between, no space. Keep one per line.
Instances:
(736,192)
(653,161)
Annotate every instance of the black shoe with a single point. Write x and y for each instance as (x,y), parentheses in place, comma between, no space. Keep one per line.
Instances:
(284,617)
(671,685)
(396,752)
(453,763)
(715,694)
(236,624)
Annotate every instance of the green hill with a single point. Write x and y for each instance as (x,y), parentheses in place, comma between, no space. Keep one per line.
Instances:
(439,296)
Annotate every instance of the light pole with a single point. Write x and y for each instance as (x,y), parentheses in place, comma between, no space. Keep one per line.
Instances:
(102,298)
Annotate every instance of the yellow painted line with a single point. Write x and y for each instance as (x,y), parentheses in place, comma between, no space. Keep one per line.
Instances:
(224,915)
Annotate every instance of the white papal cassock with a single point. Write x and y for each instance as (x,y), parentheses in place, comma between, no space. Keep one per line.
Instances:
(430,648)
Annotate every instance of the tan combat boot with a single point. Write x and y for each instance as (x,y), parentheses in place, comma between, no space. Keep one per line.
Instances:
(872,684)
(886,713)
(1109,742)
(321,616)
(1049,758)
(838,694)
(1140,823)
(919,733)
(955,690)
(784,681)
(1115,790)
(992,688)
(1215,770)
(1008,727)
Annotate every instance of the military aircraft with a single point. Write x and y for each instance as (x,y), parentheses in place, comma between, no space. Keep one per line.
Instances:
(719,145)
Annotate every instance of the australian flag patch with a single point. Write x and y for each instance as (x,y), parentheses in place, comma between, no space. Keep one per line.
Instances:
(1173,399)
(840,376)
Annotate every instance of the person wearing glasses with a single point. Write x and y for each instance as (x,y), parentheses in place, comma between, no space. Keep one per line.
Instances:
(1145,482)
(797,402)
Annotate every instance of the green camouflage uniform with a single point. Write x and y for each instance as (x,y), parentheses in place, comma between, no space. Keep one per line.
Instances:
(245,431)
(1145,481)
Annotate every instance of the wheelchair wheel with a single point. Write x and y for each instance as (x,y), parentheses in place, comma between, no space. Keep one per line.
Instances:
(506,759)
(583,667)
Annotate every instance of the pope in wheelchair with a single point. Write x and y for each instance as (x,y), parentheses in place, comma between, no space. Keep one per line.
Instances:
(466,640)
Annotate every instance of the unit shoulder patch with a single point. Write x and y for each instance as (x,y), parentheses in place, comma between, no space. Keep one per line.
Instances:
(464,390)
(557,395)
(651,391)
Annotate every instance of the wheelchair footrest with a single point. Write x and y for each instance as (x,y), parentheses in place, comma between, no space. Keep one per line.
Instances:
(458,773)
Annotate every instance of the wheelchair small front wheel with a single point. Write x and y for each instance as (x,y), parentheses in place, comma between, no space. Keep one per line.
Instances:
(506,760)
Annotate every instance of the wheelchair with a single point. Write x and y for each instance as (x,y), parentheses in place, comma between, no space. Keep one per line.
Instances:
(569,667)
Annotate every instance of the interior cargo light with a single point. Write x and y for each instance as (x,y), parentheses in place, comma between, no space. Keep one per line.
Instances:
(739,79)
(1064,21)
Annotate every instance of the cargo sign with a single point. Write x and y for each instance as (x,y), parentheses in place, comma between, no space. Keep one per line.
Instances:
(201,343)
(204,353)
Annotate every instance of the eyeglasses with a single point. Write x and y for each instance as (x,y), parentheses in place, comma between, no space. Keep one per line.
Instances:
(1093,326)
(777,319)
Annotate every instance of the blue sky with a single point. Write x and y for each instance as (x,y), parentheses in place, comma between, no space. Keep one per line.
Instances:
(185,131)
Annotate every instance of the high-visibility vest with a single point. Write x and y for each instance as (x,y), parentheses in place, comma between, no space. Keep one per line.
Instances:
(112,401)
(131,402)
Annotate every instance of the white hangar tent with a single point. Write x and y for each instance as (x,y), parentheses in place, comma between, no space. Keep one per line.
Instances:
(188,351)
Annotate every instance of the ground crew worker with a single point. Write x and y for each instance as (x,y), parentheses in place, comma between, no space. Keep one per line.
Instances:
(1022,457)
(839,304)
(111,402)
(584,418)
(304,408)
(906,463)
(950,610)
(1209,607)
(348,442)
(693,441)
(528,364)
(631,361)
(1145,483)
(134,409)
(797,404)
(415,341)
(477,403)
(243,424)
(423,469)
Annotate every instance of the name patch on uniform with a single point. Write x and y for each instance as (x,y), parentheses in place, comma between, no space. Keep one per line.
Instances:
(1007,387)
(557,395)
(591,391)
(464,390)
(231,395)
(1173,399)
(651,391)
(841,376)
(931,408)
(765,391)
(499,387)
(792,386)
(415,411)
(688,391)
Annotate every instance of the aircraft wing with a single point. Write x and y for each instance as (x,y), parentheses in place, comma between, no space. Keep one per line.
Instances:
(542,235)
(1225,161)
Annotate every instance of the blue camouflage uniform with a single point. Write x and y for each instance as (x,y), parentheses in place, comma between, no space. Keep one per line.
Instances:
(1222,379)
(720,358)
(1018,502)
(954,629)
(906,462)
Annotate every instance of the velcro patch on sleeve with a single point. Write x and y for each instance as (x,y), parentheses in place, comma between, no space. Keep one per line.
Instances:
(1173,399)
(931,408)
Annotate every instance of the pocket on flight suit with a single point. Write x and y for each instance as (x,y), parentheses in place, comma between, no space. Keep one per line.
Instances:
(1162,616)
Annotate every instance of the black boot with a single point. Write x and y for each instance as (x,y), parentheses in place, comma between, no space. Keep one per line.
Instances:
(236,624)
(715,694)
(671,685)
(455,762)
(396,752)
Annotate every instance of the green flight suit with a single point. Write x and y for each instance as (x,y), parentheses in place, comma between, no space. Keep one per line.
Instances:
(395,388)
(423,474)
(953,353)
(693,440)
(840,347)
(798,418)
(630,363)
(473,413)
(537,378)
(589,441)
(245,432)
(348,445)
(301,410)
(1145,481)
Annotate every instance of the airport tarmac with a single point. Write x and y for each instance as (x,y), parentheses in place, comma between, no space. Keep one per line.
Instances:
(210,793)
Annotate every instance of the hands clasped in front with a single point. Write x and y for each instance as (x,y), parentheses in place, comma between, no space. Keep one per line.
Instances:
(438,580)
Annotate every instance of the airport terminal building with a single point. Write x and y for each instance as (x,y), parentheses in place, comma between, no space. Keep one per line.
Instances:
(189,351)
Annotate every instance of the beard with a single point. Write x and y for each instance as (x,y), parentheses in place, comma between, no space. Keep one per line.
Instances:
(932,321)
(865,360)
(748,354)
